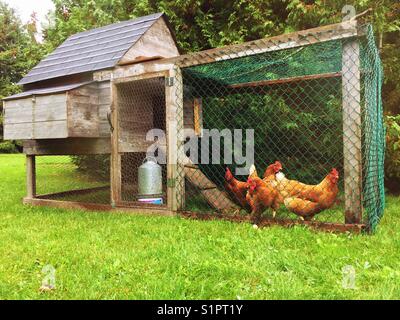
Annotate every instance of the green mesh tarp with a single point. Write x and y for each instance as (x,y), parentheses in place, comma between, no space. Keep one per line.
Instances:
(374,131)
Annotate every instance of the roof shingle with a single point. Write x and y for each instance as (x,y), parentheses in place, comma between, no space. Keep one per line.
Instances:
(91,50)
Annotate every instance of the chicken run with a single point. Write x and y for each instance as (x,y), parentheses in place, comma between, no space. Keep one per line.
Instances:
(308,103)
(318,134)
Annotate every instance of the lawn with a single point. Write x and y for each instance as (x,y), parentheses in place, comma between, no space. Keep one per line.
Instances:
(122,256)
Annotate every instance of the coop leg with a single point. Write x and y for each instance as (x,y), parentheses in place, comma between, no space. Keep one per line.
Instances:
(115,159)
(31,176)
(352,131)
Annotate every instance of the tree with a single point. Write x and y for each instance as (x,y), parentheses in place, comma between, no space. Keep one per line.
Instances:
(19,52)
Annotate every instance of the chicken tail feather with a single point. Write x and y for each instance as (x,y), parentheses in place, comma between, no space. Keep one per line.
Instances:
(253,171)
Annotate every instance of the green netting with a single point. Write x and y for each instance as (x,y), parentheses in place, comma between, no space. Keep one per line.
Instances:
(300,121)
(314,59)
(374,131)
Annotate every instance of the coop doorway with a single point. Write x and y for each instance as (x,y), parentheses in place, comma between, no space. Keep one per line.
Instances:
(140,144)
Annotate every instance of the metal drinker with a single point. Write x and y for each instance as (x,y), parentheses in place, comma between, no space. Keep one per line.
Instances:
(149,178)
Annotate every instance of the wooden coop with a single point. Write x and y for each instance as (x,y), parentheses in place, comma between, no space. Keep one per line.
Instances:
(92,103)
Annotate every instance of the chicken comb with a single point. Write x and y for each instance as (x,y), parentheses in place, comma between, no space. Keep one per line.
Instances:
(228,174)
(335,172)
(278,164)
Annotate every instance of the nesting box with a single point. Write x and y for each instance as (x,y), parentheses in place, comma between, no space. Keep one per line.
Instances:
(60,112)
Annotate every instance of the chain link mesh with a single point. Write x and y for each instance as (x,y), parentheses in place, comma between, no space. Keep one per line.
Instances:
(313,108)
(141,108)
(82,178)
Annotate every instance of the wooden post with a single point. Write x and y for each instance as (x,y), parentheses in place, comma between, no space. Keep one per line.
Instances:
(174,118)
(115,161)
(352,130)
(31,176)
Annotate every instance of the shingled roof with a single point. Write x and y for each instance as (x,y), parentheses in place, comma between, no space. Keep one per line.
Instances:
(91,50)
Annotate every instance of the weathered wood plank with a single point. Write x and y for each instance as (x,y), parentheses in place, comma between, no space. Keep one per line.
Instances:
(83,112)
(50,111)
(69,146)
(352,147)
(198,116)
(50,99)
(71,205)
(115,163)
(17,111)
(50,130)
(156,42)
(285,41)
(18,131)
(265,222)
(285,80)
(174,101)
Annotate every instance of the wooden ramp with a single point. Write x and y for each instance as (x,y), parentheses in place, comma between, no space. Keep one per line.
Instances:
(215,197)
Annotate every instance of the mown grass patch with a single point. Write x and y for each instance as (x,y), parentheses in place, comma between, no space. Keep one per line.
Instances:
(120,256)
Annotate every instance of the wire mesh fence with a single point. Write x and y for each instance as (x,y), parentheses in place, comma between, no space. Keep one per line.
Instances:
(315,109)
(83,178)
(141,132)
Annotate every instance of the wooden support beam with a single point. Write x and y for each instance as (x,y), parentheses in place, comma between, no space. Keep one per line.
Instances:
(285,80)
(174,125)
(73,205)
(31,176)
(115,161)
(352,125)
(69,146)
(264,222)
(337,31)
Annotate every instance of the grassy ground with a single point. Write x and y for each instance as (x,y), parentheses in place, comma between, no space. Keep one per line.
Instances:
(106,256)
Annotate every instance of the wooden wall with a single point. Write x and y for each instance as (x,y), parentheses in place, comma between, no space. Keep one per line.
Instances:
(36,117)
(138,104)
(81,112)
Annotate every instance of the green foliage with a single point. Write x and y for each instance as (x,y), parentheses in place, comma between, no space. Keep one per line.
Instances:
(287,132)
(93,165)
(392,160)
(19,52)
(203,24)
(198,25)
(8,147)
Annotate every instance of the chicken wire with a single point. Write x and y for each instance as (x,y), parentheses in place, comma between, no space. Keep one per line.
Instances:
(293,100)
(141,134)
(78,178)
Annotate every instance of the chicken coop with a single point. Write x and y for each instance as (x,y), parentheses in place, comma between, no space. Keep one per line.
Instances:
(283,130)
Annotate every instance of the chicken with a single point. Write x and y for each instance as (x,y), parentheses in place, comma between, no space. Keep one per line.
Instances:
(261,194)
(238,189)
(308,200)
(272,169)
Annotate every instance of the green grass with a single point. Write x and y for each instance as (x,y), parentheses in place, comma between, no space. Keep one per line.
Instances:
(107,256)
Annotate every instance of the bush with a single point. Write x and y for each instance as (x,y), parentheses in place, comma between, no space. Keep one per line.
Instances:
(8,147)
(392,159)
(97,166)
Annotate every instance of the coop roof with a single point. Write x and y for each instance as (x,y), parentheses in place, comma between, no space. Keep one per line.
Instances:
(92,50)
(45,91)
